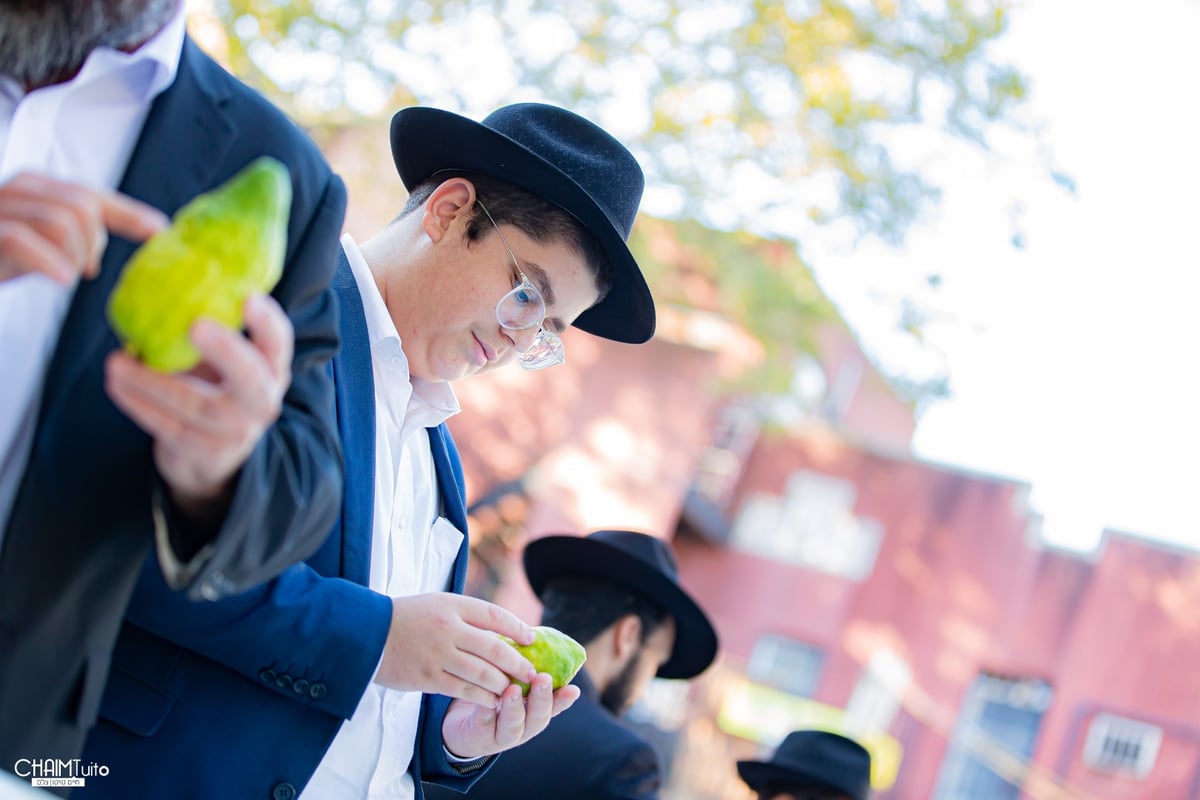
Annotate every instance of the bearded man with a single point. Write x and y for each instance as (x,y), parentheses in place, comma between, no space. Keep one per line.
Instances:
(111,119)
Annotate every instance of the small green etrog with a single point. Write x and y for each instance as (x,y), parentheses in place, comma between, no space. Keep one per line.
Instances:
(552,652)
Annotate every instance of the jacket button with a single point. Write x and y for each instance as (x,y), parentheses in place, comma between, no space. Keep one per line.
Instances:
(283,791)
(283,681)
(300,686)
(316,691)
(267,674)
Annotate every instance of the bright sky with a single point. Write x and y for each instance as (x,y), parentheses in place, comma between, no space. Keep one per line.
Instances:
(1069,359)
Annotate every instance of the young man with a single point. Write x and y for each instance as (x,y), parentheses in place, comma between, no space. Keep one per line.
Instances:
(811,765)
(515,228)
(617,593)
(232,469)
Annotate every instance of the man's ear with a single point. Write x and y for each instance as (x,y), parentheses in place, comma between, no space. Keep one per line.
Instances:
(627,635)
(453,199)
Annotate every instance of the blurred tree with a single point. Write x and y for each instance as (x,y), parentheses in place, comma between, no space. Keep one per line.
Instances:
(748,112)
(773,116)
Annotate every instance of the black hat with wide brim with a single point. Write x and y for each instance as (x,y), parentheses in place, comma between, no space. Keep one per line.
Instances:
(558,156)
(813,760)
(642,563)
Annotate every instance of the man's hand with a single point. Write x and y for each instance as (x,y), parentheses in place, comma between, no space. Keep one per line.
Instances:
(470,730)
(442,643)
(60,229)
(206,422)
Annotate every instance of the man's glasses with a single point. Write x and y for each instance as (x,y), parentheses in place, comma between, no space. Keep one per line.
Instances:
(524,308)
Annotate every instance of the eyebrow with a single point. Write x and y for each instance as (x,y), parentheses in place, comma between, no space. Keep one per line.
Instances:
(542,280)
(539,276)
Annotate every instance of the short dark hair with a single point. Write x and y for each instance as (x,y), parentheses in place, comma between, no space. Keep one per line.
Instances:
(583,607)
(536,217)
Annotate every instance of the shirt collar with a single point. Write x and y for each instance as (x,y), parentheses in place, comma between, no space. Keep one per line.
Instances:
(150,69)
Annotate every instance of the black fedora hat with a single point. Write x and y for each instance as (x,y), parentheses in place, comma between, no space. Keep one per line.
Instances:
(813,760)
(559,156)
(641,562)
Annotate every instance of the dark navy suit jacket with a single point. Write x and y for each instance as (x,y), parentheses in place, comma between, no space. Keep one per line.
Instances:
(240,699)
(586,753)
(82,522)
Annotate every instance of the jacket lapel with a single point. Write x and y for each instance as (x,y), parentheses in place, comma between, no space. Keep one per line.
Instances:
(448,468)
(354,388)
(182,143)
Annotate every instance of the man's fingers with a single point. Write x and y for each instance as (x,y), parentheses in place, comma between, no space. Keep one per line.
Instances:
(498,654)
(483,673)
(468,690)
(23,251)
(272,333)
(564,698)
(512,719)
(157,418)
(492,617)
(132,219)
(242,369)
(189,402)
(539,706)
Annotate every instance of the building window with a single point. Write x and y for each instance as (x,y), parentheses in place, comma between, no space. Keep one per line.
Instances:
(993,739)
(877,696)
(721,464)
(811,525)
(786,664)
(1120,745)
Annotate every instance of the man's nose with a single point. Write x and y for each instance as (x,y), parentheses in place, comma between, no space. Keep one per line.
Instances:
(523,339)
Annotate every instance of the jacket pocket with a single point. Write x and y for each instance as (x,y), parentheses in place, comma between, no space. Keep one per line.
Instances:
(136,706)
(137,697)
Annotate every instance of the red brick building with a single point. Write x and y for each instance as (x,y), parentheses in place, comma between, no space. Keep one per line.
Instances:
(852,585)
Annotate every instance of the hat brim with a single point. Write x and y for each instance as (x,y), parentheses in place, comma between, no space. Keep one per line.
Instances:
(556,556)
(430,140)
(759,774)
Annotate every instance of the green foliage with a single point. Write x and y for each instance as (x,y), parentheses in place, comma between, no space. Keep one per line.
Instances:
(773,116)
(761,283)
(790,104)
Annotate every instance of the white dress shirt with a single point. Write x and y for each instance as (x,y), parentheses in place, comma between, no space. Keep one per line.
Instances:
(82,131)
(413,549)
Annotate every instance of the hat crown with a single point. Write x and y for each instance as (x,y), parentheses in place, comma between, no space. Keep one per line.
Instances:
(802,748)
(644,547)
(813,758)
(580,149)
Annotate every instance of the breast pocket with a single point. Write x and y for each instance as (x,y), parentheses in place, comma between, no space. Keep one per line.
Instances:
(445,540)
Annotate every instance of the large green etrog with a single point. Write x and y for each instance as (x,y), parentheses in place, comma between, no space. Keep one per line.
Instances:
(552,652)
(222,246)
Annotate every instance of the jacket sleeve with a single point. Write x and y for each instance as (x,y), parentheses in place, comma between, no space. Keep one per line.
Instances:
(301,626)
(288,491)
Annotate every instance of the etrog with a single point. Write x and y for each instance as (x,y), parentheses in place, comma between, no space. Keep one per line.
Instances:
(220,247)
(552,652)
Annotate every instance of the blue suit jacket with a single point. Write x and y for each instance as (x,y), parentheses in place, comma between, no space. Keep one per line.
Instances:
(241,698)
(81,525)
